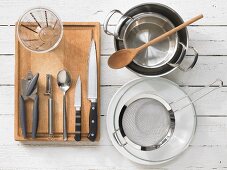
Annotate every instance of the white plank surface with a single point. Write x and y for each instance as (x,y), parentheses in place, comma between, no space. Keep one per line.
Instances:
(207,69)
(208,142)
(208,40)
(210,132)
(208,149)
(80,10)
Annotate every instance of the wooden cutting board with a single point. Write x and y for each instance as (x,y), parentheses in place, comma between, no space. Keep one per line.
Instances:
(72,55)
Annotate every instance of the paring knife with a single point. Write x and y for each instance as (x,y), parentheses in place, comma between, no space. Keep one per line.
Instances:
(77,105)
(92,92)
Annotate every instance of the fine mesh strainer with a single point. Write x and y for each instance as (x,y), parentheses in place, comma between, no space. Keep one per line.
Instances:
(147,121)
(39,30)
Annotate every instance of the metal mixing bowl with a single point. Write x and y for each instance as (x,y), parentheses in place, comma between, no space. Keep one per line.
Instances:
(144,28)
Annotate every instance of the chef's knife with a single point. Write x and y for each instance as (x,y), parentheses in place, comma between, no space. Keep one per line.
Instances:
(92,92)
(77,105)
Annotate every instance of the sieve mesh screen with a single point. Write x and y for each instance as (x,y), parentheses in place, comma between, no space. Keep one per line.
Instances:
(146,122)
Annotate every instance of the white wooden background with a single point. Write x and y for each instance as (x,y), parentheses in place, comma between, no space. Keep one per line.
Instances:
(208,149)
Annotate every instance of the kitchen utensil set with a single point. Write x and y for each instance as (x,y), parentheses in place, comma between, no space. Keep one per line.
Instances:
(151,121)
(29,88)
(75,58)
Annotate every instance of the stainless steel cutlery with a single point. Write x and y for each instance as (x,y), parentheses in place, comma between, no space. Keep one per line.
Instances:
(29,88)
(64,83)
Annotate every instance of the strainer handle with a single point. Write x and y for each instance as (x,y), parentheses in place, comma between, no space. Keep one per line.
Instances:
(182,56)
(117,139)
(221,84)
(107,19)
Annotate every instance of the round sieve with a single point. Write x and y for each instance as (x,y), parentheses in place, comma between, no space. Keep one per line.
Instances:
(147,122)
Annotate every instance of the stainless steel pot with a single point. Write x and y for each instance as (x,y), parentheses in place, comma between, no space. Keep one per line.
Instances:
(143,23)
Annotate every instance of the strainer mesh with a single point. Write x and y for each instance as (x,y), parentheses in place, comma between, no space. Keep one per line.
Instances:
(146,122)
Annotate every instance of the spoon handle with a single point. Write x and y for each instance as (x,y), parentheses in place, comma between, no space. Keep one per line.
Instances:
(167,34)
(64,119)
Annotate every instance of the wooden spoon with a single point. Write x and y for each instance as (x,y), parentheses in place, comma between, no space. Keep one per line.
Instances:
(123,57)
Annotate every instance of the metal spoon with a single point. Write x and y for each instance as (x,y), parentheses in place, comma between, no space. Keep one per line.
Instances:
(64,82)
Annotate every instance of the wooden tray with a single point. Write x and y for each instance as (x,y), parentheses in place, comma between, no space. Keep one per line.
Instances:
(71,54)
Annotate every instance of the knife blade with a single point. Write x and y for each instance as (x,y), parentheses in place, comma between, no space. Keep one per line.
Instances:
(77,105)
(92,92)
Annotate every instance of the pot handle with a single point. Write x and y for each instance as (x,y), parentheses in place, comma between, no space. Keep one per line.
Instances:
(107,19)
(182,56)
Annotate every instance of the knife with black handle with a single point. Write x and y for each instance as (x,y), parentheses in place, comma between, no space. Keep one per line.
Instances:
(77,136)
(77,105)
(92,92)
(93,120)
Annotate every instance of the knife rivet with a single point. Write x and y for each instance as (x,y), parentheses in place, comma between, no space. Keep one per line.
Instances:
(92,134)
(93,108)
(92,121)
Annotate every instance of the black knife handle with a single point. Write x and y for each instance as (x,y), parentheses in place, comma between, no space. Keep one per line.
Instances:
(77,136)
(23,117)
(35,120)
(93,122)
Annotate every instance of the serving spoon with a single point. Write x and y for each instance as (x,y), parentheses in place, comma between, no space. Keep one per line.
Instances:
(64,82)
(123,57)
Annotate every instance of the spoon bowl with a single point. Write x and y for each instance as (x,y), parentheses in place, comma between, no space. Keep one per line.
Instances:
(63,80)
(121,58)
